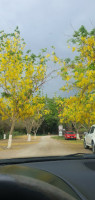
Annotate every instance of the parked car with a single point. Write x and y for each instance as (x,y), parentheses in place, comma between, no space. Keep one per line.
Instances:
(70,135)
(89,138)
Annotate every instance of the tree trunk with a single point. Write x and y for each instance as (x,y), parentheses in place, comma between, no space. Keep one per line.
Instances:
(84,127)
(28,134)
(10,135)
(29,137)
(28,129)
(35,134)
(77,134)
(78,137)
(43,131)
(4,136)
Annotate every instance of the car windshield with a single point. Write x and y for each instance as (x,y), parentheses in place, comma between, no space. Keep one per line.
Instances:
(47,78)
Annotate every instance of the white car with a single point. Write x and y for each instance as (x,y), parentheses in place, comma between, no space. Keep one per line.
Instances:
(89,139)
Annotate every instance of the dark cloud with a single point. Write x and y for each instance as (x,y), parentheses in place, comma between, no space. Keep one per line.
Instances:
(47,22)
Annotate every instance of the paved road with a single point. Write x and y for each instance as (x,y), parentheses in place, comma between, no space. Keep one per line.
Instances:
(45,147)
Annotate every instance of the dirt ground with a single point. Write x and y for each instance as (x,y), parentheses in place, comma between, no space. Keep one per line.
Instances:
(40,146)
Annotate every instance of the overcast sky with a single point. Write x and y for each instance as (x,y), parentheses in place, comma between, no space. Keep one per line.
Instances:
(44,23)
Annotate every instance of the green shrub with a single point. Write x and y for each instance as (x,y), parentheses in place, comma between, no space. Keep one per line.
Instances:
(1,133)
(16,133)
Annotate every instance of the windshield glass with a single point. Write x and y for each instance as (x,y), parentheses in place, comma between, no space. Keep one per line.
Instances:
(47,77)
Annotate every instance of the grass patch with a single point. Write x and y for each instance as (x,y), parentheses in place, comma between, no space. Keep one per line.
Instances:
(58,137)
(67,141)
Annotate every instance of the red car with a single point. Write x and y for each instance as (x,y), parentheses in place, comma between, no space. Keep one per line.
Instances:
(70,135)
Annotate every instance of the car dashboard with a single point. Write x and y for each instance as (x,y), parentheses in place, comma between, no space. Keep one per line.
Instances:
(59,177)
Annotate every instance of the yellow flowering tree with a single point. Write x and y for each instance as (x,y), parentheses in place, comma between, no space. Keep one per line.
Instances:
(72,112)
(21,76)
(33,121)
(82,70)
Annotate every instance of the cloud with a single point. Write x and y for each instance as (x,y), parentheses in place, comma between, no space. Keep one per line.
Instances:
(45,23)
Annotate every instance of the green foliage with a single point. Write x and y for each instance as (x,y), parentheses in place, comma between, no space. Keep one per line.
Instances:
(44,50)
(51,121)
(92,32)
(82,32)
(1,133)
(5,94)
(53,115)
(17,133)
(67,60)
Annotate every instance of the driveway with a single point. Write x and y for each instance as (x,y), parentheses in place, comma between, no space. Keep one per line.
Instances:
(45,147)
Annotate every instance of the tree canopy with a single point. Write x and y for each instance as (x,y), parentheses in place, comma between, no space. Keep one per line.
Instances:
(81,107)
